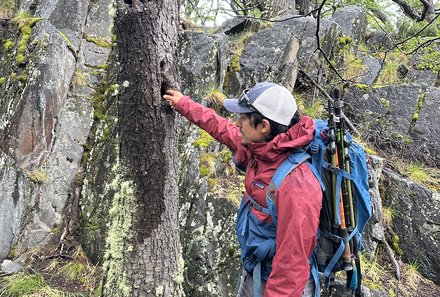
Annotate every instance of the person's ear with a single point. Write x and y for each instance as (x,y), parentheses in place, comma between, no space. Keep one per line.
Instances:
(265,127)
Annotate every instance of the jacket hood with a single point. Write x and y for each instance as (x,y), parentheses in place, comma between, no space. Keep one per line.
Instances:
(296,137)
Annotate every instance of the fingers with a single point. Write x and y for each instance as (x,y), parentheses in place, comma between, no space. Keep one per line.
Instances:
(172,97)
(170,92)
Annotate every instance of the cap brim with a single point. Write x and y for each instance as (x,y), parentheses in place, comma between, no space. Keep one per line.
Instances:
(232,105)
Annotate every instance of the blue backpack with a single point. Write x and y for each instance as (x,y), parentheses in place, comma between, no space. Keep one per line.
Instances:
(257,239)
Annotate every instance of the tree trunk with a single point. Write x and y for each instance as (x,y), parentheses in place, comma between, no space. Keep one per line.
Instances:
(303,6)
(274,8)
(142,246)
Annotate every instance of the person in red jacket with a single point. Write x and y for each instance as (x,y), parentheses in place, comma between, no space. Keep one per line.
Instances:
(269,128)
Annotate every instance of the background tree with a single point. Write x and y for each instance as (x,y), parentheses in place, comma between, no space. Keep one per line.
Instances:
(142,244)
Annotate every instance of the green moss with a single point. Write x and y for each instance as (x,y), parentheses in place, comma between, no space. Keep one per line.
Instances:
(395,245)
(207,164)
(416,114)
(24,19)
(98,100)
(98,41)
(70,46)
(19,60)
(23,77)
(97,292)
(204,140)
(204,171)
(372,273)
(102,66)
(2,81)
(8,45)
(13,76)
(11,254)
(363,87)
(354,67)
(39,176)
(211,183)
(314,108)
(418,173)
(225,156)
(344,40)
(26,30)
(235,63)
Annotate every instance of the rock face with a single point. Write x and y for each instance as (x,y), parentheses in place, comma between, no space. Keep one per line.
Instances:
(353,21)
(416,222)
(47,123)
(17,194)
(271,60)
(54,136)
(399,119)
(207,71)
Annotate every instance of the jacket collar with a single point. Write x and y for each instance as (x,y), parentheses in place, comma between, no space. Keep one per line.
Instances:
(296,137)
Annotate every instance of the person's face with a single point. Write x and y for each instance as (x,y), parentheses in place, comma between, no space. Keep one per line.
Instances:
(249,132)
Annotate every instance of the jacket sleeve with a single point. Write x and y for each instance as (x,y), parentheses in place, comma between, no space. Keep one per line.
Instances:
(299,201)
(218,127)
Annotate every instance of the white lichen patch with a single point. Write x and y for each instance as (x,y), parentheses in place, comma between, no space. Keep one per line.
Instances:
(126,84)
(160,290)
(120,235)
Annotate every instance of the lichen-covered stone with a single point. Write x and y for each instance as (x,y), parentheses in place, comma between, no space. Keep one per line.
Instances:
(17,194)
(416,222)
(353,21)
(270,55)
(386,116)
(202,62)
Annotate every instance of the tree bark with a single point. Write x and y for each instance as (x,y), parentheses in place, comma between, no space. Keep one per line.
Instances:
(142,246)
(274,8)
(303,6)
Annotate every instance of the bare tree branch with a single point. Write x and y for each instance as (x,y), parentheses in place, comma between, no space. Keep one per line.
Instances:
(407,9)
(318,43)
(427,13)
(426,43)
(324,92)
(414,35)
(392,258)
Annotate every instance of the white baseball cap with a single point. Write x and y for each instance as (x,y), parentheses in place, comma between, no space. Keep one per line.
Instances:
(271,100)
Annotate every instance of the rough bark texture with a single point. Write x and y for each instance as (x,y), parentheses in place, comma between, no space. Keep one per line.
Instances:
(145,205)
(274,8)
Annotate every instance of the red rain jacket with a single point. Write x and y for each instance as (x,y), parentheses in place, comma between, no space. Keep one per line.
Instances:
(298,199)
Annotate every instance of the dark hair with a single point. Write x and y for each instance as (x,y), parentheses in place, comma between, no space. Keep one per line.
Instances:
(275,128)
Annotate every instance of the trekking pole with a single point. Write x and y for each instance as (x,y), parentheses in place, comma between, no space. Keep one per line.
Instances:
(340,151)
(343,232)
(348,184)
(332,152)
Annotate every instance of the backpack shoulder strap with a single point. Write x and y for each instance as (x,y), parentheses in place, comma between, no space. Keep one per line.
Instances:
(290,163)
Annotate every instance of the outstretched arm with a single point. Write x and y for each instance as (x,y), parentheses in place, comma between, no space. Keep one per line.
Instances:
(206,118)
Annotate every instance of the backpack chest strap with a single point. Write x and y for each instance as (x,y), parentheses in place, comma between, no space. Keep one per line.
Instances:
(255,204)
